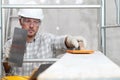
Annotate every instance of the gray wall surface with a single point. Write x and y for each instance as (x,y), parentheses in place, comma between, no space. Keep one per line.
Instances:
(112,34)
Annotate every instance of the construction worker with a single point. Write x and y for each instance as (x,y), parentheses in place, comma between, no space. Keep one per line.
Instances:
(40,45)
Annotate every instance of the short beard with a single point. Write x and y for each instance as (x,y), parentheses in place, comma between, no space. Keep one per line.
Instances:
(31,36)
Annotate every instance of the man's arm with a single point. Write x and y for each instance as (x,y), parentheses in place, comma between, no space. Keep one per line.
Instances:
(7,68)
(6,51)
(69,42)
(58,42)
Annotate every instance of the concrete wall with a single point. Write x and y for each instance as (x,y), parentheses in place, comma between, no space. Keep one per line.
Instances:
(112,34)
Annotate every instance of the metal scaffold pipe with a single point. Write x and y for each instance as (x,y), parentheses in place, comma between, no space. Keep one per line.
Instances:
(0,39)
(117,3)
(50,6)
(103,23)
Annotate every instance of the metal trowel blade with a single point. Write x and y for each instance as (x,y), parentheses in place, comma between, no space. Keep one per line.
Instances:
(18,47)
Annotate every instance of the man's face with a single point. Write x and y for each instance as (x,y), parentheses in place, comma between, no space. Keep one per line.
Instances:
(31,25)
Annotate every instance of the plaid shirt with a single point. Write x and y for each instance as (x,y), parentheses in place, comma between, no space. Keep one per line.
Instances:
(43,46)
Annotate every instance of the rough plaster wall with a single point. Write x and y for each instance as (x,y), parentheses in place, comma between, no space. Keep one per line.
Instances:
(82,22)
(73,22)
(112,34)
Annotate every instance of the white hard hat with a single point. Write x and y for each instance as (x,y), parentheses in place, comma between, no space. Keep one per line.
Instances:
(31,13)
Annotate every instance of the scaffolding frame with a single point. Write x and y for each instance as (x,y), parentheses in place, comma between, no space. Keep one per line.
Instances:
(0,39)
(102,30)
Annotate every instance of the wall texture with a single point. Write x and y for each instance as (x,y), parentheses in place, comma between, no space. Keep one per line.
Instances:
(112,34)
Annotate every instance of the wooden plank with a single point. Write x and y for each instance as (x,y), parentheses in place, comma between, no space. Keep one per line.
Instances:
(94,66)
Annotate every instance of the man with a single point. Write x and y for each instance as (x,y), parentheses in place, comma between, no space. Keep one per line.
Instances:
(40,45)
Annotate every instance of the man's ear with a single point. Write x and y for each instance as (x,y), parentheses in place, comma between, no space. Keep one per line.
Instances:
(20,21)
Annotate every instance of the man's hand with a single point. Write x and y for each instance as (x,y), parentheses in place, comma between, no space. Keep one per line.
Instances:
(77,42)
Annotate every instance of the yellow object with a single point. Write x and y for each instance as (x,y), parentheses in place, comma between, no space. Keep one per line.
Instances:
(80,51)
(16,78)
